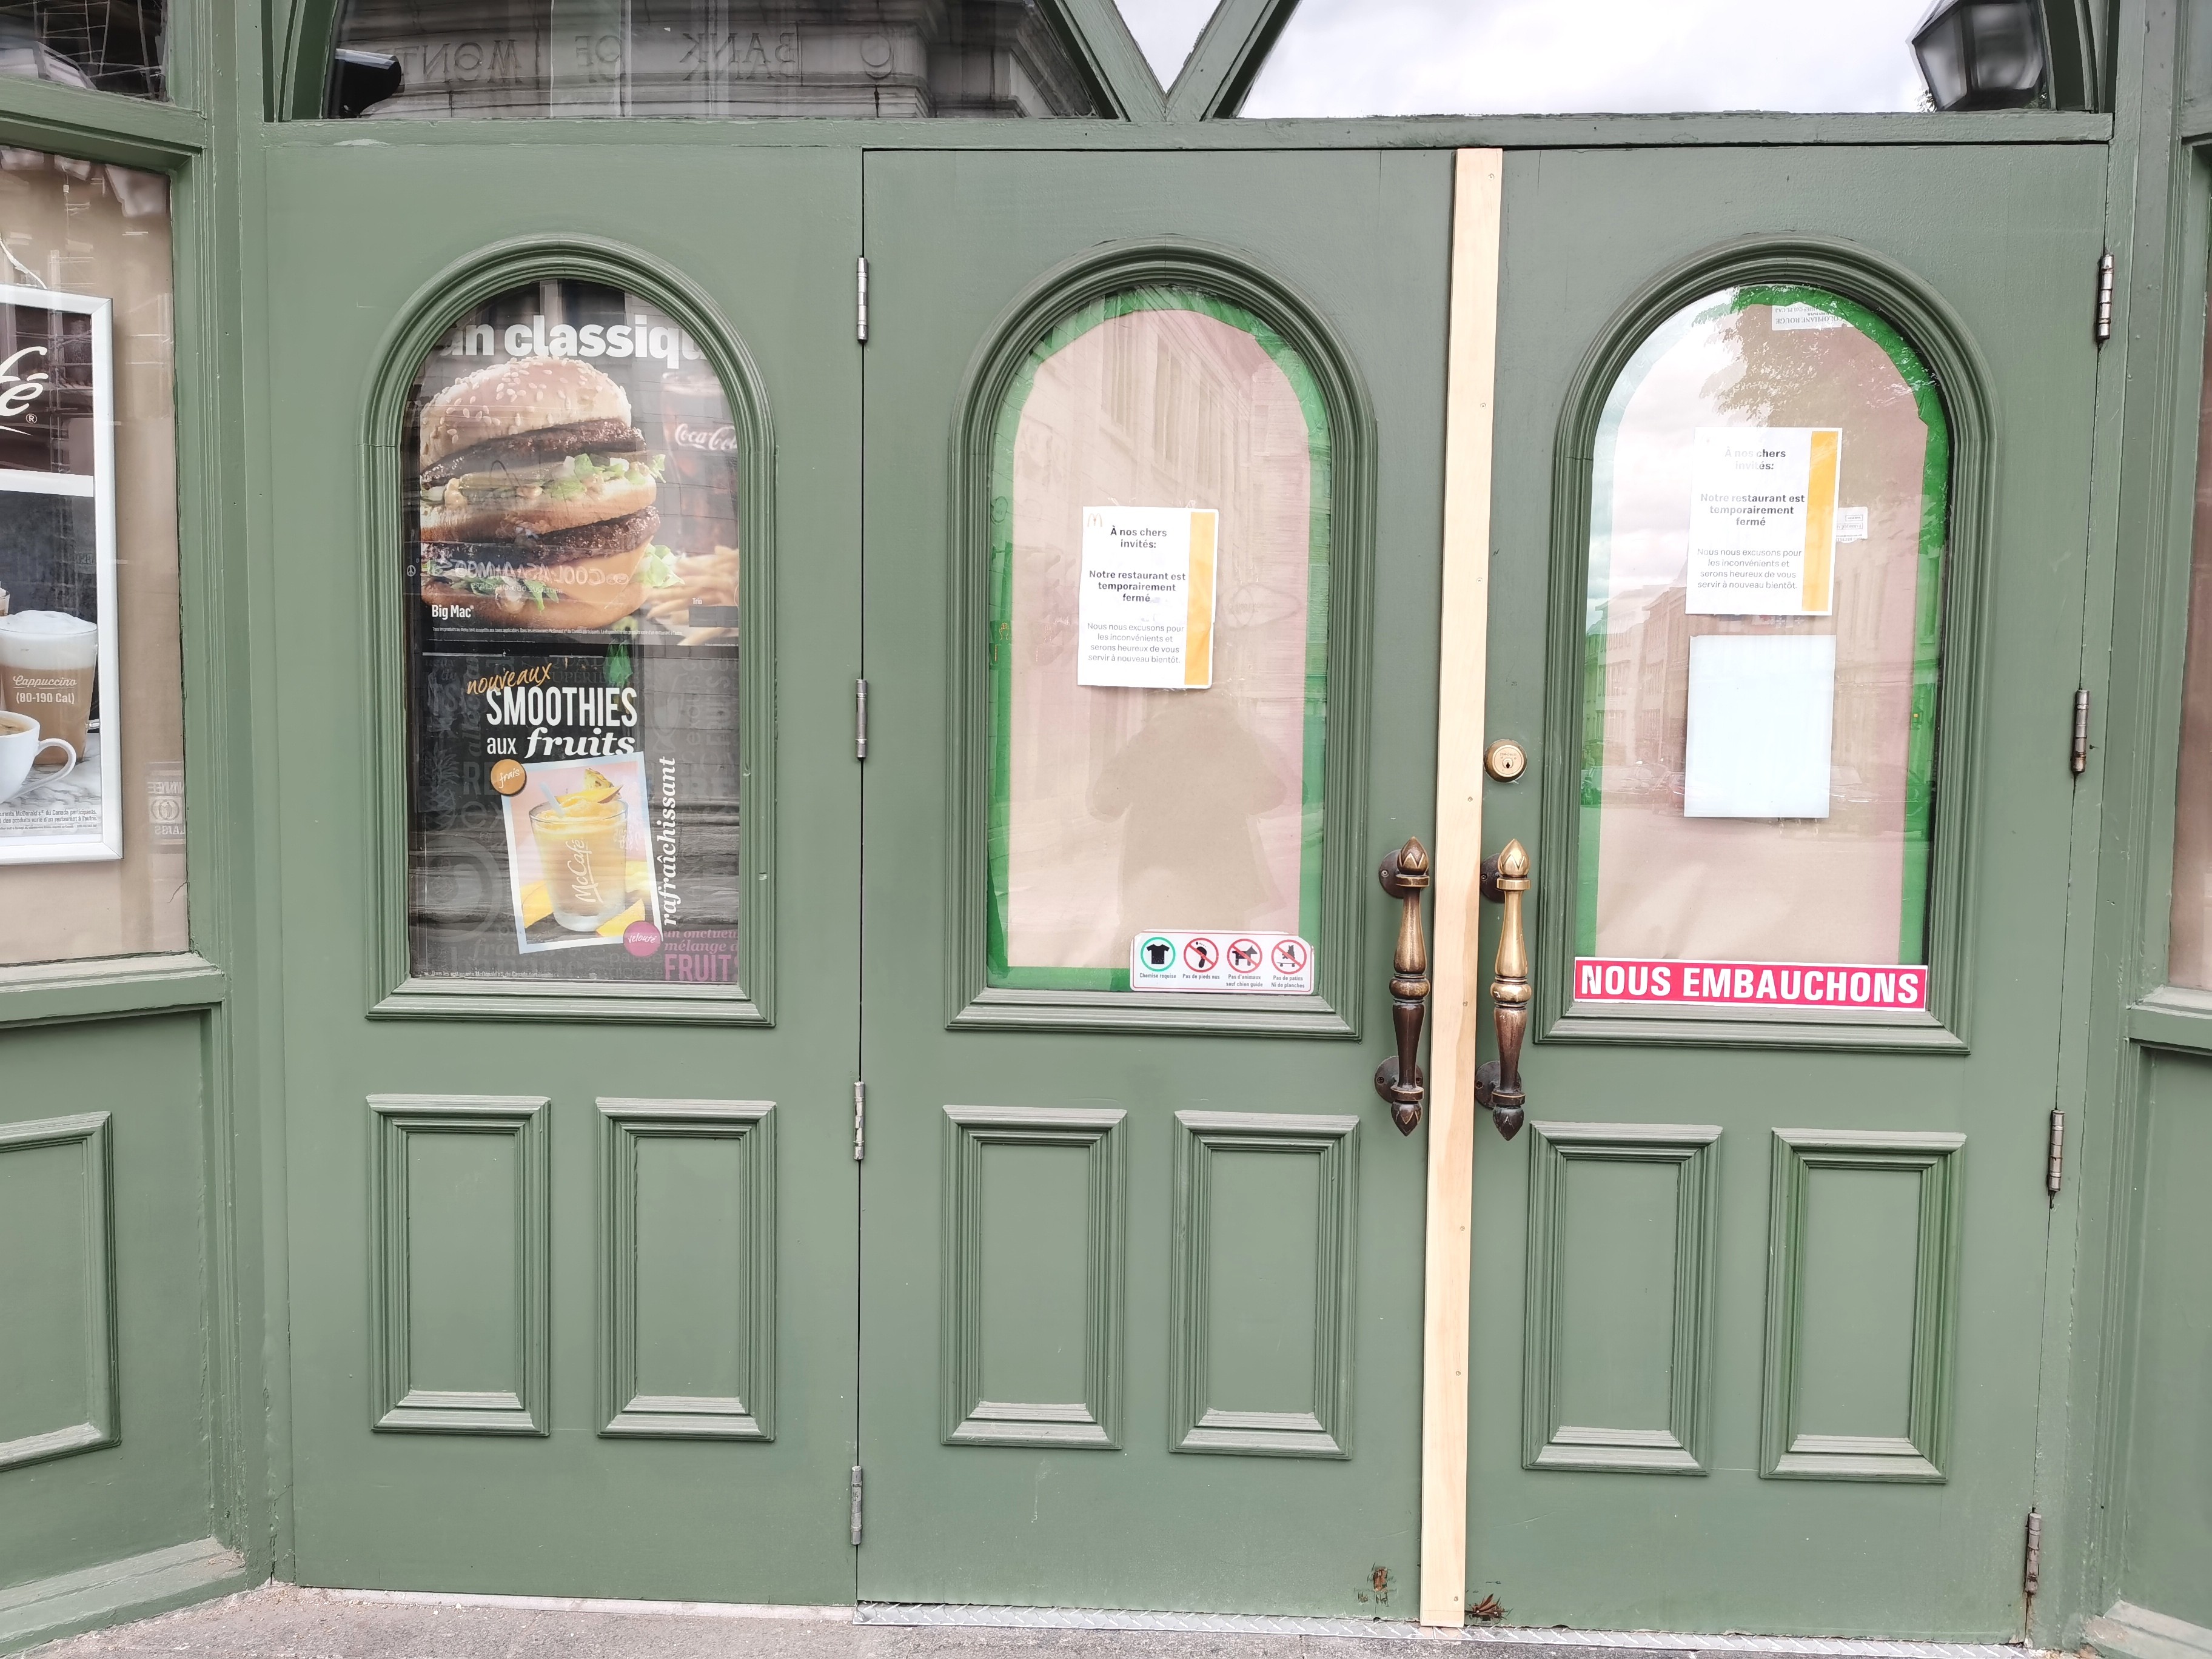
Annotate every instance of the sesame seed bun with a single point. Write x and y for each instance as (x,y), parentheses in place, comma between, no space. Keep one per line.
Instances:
(524,394)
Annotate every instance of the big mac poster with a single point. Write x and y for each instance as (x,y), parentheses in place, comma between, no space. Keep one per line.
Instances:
(571,572)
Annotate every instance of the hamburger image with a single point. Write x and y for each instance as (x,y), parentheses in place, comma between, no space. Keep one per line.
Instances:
(538,498)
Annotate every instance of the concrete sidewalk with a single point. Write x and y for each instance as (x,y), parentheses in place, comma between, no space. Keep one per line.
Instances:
(281,1621)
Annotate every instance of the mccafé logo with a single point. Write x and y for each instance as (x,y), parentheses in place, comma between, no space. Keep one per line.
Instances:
(19,392)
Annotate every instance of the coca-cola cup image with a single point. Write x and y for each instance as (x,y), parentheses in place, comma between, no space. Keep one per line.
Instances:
(700,490)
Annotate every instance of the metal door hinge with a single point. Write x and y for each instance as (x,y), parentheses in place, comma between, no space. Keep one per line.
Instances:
(861,721)
(2055,1172)
(860,302)
(859,1120)
(2103,329)
(856,1506)
(2080,755)
(2031,1569)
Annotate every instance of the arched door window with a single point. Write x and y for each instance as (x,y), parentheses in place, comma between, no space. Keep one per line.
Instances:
(573,479)
(1160,557)
(1769,510)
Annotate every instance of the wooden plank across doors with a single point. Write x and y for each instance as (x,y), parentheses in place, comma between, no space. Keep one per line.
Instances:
(1470,410)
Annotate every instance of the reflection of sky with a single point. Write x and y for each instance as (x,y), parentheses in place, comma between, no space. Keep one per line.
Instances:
(1649,542)
(1166,30)
(1350,57)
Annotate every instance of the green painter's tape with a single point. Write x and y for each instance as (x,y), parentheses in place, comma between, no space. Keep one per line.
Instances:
(1928,601)
(1069,329)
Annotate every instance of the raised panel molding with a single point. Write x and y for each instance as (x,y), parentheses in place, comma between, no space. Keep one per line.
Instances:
(970,1419)
(402,1403)
(749,1413)
(1679,1447)
(1195,1422)
(1787,1451)
(95,1419)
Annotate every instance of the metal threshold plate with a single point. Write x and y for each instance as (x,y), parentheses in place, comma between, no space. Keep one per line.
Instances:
(1529,1639)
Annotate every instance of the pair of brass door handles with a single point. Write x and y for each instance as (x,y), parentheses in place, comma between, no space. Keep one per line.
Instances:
(1405,876)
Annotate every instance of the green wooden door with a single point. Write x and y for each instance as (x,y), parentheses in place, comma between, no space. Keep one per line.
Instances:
(571,1250)
(1141,1269)
(1759,1290)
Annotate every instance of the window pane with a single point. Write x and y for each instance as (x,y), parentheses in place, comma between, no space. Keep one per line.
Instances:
(1350,57)
(108,45)
(91,741)
(571,562)
(1768,513)
(1136,788)
(2188,960)
(1166,30)
(616,57)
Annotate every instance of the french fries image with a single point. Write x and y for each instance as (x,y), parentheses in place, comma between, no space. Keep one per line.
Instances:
(700,579)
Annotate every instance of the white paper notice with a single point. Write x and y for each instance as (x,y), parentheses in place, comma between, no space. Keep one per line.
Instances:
(1763,520)
(1145,614)
(1850,523)
(1176,959)
(1791,319)
(1762,725)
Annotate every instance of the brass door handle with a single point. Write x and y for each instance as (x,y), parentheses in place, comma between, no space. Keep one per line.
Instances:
(1498,1082)
(1405,877)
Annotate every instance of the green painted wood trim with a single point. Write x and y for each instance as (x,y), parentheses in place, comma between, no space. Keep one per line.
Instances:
(109,988)
(749,1414)
(991,380)
(101,126)
(969,1419)
(396,1406)
(1372,132)
(1099,36)
(1226,55)
(1194,1423)
(47,1609)
(1918,1455)
(396,993)
(102,1422)
(1684,1446)
(2173,1017)
(1928,324)
(2127,1631)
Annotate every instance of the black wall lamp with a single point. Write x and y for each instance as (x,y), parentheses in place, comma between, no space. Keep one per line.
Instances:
(1981,54)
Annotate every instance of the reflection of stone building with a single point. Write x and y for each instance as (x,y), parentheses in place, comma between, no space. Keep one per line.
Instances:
(581,58)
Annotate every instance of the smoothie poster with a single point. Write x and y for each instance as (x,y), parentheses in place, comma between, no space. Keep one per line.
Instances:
(61,746)
(569,569)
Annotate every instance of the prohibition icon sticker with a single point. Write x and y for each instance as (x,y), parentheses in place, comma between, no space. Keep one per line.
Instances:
(1184,959)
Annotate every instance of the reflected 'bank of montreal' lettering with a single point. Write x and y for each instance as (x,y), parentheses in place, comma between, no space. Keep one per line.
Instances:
(642,338)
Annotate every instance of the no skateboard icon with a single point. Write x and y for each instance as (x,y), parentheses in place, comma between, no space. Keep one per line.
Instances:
(1290,956)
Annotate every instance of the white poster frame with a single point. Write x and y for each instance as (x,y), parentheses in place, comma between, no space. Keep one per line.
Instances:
(107,843)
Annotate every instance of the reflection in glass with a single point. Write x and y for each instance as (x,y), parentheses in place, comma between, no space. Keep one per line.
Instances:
(70,227)
(2189,951)
(1768,515)
(1116,809)
(571,564)
(1352,58)
(638,58)
(1166,30)
(106,46)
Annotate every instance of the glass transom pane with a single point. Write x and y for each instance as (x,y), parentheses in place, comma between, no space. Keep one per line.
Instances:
(1159,732)
(1166,30)
(640,58)
(2189,949)
(1353,58)
(104,45)
(1769,508)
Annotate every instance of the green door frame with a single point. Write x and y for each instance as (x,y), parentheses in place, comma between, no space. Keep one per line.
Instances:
(2131,77)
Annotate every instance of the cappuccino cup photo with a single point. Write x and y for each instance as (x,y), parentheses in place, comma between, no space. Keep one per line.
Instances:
(49,669)
(21,746)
